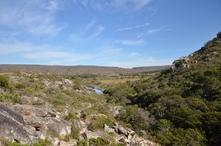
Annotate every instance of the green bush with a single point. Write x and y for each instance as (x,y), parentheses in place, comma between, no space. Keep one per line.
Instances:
(98,123)
(42,142)
(100,141)
(82,143)
(57,101)
(4,83)
(74,132)
(5,142)
(71,116)
(14,98)
(19,86)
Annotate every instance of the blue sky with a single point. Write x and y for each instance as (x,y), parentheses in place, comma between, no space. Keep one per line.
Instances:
(122,33)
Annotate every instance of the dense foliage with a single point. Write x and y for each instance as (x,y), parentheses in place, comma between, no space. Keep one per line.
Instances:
(183,104)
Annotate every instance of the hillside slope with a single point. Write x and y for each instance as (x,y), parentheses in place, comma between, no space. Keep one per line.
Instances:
(182,104)
(43,109)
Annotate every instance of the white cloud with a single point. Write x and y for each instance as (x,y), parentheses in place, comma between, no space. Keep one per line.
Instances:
(142,25)
(64,57)
(89,25)
(133,54)
(137,26)
(147,32)
(141,61)
(98,30)
(31,52)
(129,6)
(125,6)
(127,28)
(86,32)
(34,17)
(17,48)
(131,42)
(108,51)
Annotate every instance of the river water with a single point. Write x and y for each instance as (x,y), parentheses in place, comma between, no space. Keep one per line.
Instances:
(98,91)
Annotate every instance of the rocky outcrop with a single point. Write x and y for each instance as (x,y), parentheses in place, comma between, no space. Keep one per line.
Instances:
(115,110)
(14,128)
(43,120)
(127,135)
(138,141)
(31,123)
(219,35)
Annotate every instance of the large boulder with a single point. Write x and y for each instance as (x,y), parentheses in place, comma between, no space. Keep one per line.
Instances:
(14,128)
(43,120)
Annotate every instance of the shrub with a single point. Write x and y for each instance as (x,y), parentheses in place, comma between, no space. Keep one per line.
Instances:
(5,142)
(74,132)
(82,143)
(98,123)
(43,142)
(19,86)
(57,101)
(100,141)
(4,83)
(71,116)
(14,98)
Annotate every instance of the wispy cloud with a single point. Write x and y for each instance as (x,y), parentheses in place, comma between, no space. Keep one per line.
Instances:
(15,48)
(87,32)
(131,42)
(34,53)
(125,6)
(46,55)
(98,30)
(137,26)
(34,17)
(88,26)
(148,32)
(108,51)
(129,6)
(134,54)
(127,28)
(141,61)
(142,25)
(64,57)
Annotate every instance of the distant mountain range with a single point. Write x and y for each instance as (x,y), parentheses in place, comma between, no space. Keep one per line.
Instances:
(54,69)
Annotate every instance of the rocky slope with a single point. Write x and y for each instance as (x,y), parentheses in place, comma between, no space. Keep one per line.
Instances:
(35,107)
(184,102)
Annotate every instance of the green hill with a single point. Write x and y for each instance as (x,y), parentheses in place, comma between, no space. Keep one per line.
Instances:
(182,104)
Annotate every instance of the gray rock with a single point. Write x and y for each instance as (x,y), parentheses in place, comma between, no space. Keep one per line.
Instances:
(43,119)
(108,129)
(115,110)
(67,82)
(96,134)
(121,130)
(13,127)
(61,127)
(77,124)
(137,141)
(47,83)
(72,142)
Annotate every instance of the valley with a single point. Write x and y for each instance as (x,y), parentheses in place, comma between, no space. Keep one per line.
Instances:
(144,106)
